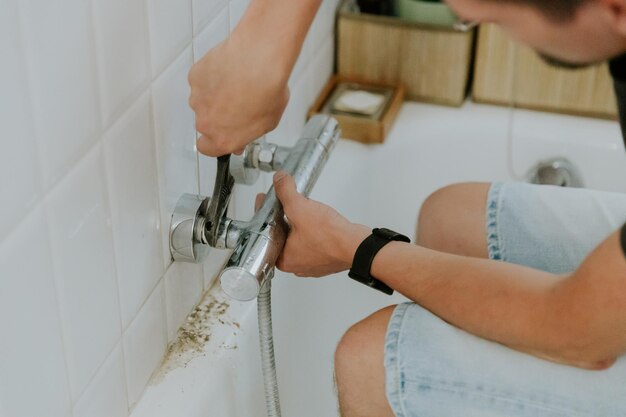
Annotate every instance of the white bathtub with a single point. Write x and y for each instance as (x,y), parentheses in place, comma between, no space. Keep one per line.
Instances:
(430,146)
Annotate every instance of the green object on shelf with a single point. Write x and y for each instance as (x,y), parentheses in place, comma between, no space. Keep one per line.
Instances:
(431,12)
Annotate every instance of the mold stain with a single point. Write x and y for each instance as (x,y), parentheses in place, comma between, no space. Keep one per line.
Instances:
(195,333)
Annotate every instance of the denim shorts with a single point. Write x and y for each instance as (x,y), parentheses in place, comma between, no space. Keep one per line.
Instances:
(434,369)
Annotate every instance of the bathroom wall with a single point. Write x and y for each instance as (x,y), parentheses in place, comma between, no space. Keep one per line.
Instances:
(97,145)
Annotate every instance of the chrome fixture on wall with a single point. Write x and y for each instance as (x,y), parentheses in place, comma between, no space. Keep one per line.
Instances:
(199,223)
(556,171)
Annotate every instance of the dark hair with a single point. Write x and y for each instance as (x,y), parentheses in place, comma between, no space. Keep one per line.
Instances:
(555,9)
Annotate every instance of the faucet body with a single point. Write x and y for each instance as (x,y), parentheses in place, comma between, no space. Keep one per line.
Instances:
(257,243)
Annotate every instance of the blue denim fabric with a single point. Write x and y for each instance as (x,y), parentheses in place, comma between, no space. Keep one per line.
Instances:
(434,369)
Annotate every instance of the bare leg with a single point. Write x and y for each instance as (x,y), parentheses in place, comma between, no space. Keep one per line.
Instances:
(452,220)
(360,369)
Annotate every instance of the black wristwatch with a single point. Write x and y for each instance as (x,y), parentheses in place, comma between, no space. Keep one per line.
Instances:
(364,257)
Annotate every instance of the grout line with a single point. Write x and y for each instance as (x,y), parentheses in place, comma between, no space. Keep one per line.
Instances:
(193,62)
(107,201)
(99,369)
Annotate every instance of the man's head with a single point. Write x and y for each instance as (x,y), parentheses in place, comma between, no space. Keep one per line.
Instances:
(565,32)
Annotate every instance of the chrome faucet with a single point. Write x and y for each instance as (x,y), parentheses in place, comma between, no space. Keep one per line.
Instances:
(199,223)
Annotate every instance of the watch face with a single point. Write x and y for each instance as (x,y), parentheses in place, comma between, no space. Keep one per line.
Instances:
(385,233)
(390,235)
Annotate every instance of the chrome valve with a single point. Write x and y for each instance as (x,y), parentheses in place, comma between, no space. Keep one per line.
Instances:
(199,223)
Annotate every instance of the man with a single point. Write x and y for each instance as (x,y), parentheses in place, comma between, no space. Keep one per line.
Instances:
(519,291)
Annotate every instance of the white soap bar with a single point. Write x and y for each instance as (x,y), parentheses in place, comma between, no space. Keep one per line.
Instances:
(358,101)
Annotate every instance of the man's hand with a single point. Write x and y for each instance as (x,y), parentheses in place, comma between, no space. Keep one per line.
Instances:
(239,89)
(237,94)
(321,241)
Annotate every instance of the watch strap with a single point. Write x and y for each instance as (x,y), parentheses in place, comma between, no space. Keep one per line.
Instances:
(365,254)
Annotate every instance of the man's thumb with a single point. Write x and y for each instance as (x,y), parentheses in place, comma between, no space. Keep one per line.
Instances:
(285,188)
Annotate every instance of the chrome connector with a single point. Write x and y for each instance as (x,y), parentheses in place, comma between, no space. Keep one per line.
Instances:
(256,157)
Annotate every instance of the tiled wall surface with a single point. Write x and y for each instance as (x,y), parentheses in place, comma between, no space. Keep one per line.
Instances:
(97,145)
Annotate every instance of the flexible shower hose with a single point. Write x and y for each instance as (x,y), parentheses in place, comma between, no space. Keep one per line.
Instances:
(268,364)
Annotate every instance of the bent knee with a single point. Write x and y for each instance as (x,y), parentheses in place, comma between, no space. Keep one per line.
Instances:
(452,219)
(360,369)
(363,341)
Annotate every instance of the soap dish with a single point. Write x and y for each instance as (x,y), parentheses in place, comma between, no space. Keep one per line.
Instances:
(365,111)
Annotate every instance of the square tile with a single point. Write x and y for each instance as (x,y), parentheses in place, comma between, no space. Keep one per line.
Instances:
(106,394)
(290,127)
(175,136)
(123,53)
(133,192)
(170,30)
(183,288)
(237,10)
(84,264)
(19,167)
(207,172)
(243,198)
(32,364)
(204,11)
(321,69)
(59,49)
(323,25)
(214,33)
(144,344)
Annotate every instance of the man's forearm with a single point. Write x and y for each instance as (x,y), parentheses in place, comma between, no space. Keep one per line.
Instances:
(561,318)
(498,301)
(280,27)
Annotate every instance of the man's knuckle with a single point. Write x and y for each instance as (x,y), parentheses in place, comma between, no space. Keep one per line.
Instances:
(280,265)
(191,76)
(202,125)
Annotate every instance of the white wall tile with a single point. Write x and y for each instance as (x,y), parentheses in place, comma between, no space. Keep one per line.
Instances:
(144,344)
(208,169)
(19,170)
(212,34)
(301,63)
(170,30)
(244,196)
(59,48)
(294,118)
(34,380)
(133,193)
(237,10)
(321,69)
(106,395)
(183,288)
(204,11)
(122,51)
(82,245)
(175,140)
(323,25)
(78,72)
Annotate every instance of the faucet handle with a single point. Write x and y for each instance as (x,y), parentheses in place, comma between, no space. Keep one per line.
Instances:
(187,229)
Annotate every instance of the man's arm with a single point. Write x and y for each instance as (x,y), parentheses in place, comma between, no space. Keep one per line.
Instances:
(239,88)
(577,319)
